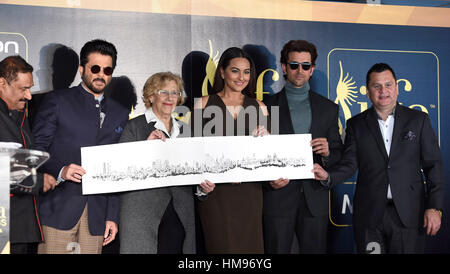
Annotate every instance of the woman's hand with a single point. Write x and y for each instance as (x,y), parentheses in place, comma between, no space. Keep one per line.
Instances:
(157,134)
(260,131)
(207,186)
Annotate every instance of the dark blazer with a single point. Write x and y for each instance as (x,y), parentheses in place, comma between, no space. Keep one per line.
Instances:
(141,211)
(324,123)
(67,120)
(414,147)
(24,223)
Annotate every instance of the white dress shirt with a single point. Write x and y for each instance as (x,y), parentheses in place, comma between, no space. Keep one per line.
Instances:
(151,117)
(387,128)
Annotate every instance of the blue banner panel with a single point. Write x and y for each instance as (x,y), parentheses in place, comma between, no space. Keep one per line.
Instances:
(191,45)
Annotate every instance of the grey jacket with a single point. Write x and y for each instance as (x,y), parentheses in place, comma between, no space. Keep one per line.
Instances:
(141,211)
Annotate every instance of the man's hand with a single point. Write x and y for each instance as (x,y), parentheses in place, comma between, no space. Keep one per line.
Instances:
(110,232)
(432,221)
(319,173)
(320,146)
(73,173)
(49,182)
(277,184)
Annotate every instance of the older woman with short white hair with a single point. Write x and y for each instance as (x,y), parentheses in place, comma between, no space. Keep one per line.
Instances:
(160,220)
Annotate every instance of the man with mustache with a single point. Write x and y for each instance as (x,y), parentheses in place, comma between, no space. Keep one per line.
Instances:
(66,121)
(16,80)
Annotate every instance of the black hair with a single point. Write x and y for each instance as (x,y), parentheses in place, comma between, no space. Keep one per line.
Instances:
(299,46)
(224,62)
(379,67)
(12,65)
(98,46)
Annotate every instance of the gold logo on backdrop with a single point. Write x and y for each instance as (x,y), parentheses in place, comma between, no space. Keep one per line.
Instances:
(5,249)
(132,114)
(3,223)
(210,69)
(345,94)
(260,83)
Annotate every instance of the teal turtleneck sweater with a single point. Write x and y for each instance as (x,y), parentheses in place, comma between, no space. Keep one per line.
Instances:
(299,107)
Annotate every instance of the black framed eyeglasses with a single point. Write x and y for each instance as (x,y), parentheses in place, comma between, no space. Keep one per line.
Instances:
(305,65)
(106,70)
(167,93)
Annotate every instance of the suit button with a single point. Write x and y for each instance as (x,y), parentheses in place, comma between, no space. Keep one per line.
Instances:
(389,167)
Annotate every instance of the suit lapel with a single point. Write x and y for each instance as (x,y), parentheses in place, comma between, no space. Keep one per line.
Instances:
(374,128)
(148,128)
(399,124)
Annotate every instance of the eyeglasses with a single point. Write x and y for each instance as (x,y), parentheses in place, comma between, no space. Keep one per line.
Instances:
(167,93)
(305,65)
(107,70)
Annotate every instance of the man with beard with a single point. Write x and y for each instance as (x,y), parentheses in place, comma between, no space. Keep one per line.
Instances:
(67,120)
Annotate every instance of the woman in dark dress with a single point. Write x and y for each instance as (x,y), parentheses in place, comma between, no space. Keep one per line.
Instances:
(231,215)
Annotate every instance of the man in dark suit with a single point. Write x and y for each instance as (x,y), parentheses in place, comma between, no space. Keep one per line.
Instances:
(390,145)
(66,121)
(300,207)
(16,80)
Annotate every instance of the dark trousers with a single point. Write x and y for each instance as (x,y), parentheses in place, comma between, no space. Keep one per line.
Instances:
(170,232)
(311,232)
(390,237)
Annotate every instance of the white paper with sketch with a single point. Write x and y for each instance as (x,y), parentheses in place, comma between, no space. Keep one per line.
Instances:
(189,161)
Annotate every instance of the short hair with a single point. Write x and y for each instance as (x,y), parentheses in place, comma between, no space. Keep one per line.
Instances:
(98,46)
(156,82)
(12,65)
(299,46)
(379,67)
(224,62)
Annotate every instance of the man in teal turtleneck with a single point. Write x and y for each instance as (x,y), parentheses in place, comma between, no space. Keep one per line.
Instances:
(300,207)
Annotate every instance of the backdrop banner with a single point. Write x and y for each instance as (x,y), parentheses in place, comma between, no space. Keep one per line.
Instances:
(188,37)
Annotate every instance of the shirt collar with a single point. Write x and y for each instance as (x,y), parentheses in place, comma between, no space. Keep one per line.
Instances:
(392,114)
(151,117)
(4,106)
(100,98)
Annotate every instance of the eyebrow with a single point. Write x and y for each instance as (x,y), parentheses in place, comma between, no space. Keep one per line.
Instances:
(239,68)
(27,87)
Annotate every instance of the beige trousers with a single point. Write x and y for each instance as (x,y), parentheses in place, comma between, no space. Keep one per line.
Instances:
(77,240)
